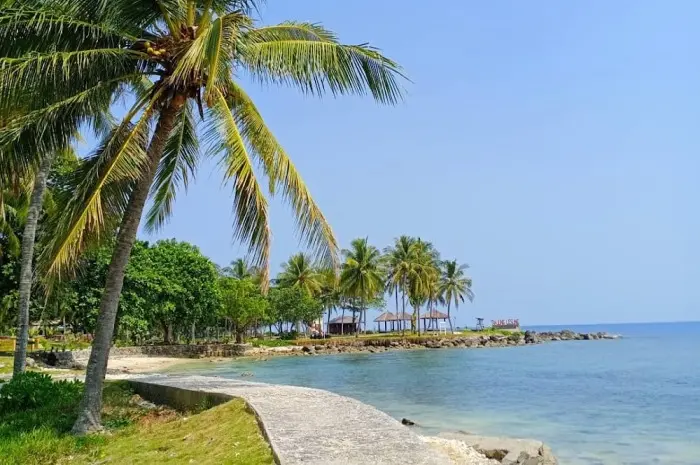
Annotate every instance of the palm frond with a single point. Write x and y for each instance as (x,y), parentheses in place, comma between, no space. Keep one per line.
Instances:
(176,167)
(101,192)
(310,57)
(211,53)
(310,222)
(250,205)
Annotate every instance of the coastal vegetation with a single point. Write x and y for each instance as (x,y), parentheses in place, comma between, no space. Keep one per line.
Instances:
(63,64)
(36,415)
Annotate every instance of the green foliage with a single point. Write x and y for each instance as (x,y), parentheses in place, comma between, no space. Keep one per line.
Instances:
(242,304)
(30,390)
(40,434)
(271,342)
(292,304)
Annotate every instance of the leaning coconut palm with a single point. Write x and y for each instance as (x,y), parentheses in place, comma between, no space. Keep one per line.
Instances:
(299,271)
(361,275)
(178,59)
(398,258)
(455,285)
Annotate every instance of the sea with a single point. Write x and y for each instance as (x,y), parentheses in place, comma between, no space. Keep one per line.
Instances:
(631,401)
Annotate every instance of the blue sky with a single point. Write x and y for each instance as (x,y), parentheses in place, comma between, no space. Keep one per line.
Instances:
(551,145)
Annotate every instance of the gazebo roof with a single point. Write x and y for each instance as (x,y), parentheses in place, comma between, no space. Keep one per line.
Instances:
(343,320)
(386,316)
(403,316)
(434,315)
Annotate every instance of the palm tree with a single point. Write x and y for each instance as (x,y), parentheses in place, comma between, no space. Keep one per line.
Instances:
(361,275)
(32,199)
(422,275)
(177,59)
(239,269)
(299,271)
(398,258)
(330,292)
(455,285)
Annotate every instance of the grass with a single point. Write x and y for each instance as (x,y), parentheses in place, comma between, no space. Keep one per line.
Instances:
(227,434)
(271,343)
(6,364)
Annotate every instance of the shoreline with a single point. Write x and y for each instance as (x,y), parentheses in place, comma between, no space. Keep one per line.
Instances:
(153,359)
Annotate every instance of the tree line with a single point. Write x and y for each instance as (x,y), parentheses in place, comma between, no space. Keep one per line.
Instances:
(64,64)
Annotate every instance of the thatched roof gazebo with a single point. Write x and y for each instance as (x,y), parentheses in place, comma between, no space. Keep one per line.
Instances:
(433,316)
(385,317)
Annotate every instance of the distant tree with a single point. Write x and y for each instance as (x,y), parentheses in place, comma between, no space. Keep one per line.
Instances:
(178,284)
(299,272)
(455,285)
(292,305)
(361,275)
(242,304)
(399,259)
(239,269)
(422,276)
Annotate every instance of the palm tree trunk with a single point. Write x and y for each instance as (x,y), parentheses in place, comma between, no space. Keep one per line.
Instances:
(26,267)
(403,312)
(448,316)
(396,294)
(342,324)
(328,321)
(418,318)
(89,414)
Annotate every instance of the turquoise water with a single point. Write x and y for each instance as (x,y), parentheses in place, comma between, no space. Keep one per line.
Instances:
(630,401)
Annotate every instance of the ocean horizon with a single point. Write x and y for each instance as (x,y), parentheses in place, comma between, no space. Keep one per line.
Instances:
(630,401)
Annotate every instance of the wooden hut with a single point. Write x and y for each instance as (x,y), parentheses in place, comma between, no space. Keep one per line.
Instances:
(343,325)
(386,317)
(430,319)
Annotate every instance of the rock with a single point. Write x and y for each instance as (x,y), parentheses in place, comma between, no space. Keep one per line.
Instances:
(394,344)
(407,422)
(247,374)
(319,347)
(31,362)
(508,451)
(306,349)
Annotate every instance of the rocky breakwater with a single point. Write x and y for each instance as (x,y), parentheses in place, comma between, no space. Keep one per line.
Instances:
(506,451)
(472,340)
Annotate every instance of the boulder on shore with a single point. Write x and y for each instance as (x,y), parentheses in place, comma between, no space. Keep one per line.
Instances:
(507,451)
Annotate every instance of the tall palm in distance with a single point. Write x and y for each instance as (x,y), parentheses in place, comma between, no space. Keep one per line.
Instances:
(398,262)
(455,285)
(300,272)
(240,269)
(330,292)
(361,275)
(422,275)
(176,59)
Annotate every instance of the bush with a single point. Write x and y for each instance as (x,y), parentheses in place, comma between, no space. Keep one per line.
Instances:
(289,335)
(30,390)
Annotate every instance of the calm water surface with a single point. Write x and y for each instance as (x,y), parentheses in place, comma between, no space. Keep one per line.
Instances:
(629,401)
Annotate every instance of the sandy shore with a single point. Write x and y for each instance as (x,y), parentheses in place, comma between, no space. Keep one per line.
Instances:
(143,364)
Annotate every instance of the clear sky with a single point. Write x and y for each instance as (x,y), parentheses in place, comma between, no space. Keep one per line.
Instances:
(551,145)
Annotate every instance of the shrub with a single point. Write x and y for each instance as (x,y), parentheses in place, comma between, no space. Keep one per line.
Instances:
(30,390)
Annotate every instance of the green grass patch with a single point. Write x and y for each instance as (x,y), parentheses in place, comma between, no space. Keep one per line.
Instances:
(6,364)
(271,343)
(36,416)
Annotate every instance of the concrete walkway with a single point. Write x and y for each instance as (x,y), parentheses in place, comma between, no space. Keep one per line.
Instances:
(314,427)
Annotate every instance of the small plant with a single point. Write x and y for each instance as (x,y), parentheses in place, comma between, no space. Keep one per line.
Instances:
(31,390)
